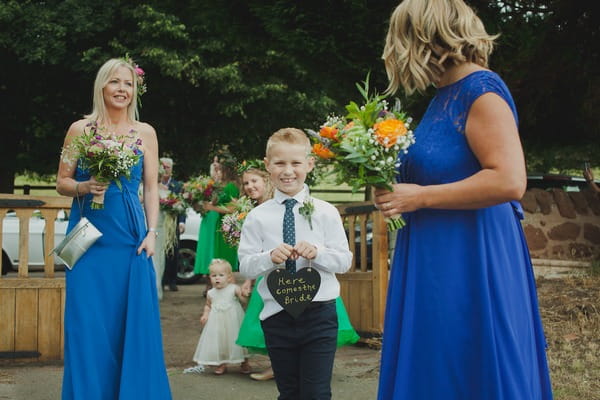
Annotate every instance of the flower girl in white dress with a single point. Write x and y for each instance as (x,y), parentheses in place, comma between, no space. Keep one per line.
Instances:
(222,318)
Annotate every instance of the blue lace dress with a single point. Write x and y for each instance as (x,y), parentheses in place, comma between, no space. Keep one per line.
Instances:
(113,342)
(462,319)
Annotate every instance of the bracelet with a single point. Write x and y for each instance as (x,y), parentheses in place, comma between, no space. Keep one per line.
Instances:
(153,230)
(77,189)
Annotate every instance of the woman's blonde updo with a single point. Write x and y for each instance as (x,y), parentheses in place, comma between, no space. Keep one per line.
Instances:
(427,36)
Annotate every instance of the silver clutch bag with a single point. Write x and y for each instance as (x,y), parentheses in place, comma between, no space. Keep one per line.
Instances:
(77,242)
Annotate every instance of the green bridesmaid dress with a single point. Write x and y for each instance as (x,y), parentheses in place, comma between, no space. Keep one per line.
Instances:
(210,239)
(252,337)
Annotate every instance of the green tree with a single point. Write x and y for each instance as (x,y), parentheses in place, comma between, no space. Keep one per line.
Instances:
(548,53)
(231,72)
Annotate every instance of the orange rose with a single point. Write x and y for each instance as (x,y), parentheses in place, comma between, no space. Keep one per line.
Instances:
(329,132)
(322,151)
(241,216)
(389,129)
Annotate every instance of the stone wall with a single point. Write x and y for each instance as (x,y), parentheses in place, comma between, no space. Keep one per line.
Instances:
(562,225)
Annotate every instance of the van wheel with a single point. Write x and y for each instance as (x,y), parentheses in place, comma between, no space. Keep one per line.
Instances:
(186,257)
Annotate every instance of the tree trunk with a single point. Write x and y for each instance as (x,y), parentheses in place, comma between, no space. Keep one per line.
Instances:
(8,159)
(7,179)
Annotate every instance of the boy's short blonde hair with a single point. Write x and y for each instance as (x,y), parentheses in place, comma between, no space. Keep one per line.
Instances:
(427,36)
(289,136)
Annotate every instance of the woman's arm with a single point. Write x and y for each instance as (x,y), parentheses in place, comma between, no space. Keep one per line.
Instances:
(230,194)
(66,184)
(220,209)
(493,137)
(150,148)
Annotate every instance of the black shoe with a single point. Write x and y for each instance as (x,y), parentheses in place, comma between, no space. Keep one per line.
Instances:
(173,287)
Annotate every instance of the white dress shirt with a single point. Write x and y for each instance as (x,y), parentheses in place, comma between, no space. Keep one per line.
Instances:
(263,231)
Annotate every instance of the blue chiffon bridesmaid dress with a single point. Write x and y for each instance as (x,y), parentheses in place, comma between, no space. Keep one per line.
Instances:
(113,343)
(462,319)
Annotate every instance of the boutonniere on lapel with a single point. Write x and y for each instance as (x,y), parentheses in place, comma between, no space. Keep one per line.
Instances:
(307,209)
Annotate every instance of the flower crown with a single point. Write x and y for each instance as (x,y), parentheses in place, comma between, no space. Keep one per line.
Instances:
(226,158)
(140,75)
(251,164)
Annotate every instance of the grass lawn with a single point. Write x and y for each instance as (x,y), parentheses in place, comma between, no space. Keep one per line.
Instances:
(318,191)
(21,180)
(570,309)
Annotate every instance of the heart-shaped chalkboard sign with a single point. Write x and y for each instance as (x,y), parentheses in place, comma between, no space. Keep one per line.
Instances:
(294,291)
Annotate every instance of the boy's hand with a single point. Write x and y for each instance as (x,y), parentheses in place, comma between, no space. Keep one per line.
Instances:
(282,253)
(306,250)
(203,319)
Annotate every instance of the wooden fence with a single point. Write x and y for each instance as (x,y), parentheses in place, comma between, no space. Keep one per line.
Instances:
(32,308)
(364,287)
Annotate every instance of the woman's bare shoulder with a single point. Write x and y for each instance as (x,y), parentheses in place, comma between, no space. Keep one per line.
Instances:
(145,131)
(145,128)
(75,130)
(77,127)
(147,134)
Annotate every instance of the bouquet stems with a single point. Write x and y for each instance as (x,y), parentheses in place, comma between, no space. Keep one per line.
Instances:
(394,223)
(97,202)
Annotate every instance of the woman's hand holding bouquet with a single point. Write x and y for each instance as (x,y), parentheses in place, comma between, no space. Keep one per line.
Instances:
(363,146)
(106,156)
(173,204)
(231,224)
(200,190)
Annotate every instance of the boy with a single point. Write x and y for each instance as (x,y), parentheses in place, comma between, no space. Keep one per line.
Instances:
(301,349)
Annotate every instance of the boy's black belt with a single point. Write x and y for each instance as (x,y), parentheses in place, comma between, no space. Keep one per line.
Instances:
(317,304)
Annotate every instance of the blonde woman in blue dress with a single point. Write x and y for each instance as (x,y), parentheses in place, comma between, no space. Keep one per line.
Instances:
(462,319)
(113,342)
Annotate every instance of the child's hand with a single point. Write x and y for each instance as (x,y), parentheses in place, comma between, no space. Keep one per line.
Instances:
(203,319)
(306,250)
(282,253)
(247,288)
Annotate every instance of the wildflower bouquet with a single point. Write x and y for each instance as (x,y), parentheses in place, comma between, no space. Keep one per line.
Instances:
(231,224)
(198,190)
(363,146)
(106,156)
(173,204)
